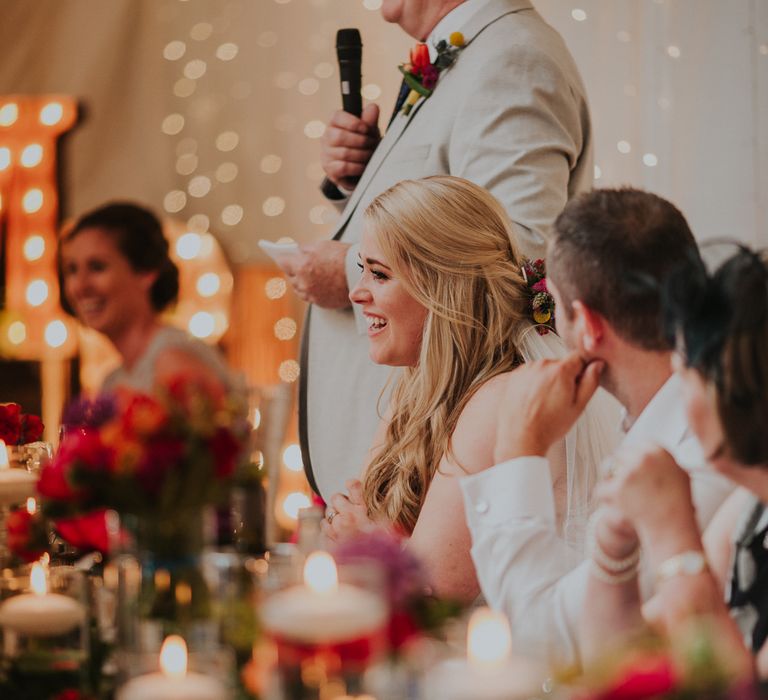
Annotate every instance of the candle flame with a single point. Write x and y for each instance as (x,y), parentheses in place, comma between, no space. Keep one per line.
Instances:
(489,641)
(320,573)
(173,657)
(3,455)
(31,505)
(37,580)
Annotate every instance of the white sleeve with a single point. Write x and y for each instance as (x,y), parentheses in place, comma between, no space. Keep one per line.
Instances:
(524,568)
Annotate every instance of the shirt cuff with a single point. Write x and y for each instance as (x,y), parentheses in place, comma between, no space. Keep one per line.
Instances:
(518,488)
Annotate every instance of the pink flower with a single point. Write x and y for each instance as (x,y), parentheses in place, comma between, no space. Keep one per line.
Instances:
(540,286)
(429,76)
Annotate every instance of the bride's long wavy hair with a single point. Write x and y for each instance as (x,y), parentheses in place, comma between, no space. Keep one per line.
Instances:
(448,241)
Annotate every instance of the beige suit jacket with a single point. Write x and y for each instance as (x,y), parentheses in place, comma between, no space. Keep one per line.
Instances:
(511,115)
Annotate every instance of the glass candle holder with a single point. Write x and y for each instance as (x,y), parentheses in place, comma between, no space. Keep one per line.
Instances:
(44,624)
(328,627)
(177,673)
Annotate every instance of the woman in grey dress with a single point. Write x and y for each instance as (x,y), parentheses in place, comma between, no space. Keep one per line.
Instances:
(117,278)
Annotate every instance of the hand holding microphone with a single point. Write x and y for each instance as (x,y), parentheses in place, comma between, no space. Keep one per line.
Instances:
(352,133)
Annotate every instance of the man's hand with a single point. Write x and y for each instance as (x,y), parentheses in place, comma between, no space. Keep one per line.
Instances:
(318,275)
(543,400)
(348,144)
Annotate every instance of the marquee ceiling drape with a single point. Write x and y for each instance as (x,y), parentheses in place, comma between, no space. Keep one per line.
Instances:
(213,107)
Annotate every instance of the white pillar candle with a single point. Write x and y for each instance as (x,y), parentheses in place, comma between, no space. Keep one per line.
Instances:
(16,485)
(323,610)
(40,614)
(489,672)
(173,682)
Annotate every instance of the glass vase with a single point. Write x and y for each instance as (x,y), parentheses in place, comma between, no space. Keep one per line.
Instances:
(162,588)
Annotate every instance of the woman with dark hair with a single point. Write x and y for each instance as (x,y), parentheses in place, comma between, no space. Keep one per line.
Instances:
(720,322)
(117,277)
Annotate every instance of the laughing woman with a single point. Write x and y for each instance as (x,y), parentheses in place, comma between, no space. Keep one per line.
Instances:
(446,300)
(117,278)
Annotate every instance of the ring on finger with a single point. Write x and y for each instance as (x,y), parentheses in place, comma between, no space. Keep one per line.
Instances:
(330,515)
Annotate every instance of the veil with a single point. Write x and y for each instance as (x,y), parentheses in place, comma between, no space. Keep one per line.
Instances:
(587,445)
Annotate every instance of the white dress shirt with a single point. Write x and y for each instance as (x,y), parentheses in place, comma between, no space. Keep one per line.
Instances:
(525,568)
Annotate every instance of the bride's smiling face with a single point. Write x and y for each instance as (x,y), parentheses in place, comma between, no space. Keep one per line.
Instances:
(395,319)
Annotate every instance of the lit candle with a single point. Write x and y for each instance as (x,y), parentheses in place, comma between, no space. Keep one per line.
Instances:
(489,672)
(40,614)
(323,610)
(16,485)
(173,682)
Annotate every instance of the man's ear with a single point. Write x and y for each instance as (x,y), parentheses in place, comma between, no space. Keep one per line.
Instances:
(589,327)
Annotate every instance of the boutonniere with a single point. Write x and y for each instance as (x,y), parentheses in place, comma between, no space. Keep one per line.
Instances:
(421,75)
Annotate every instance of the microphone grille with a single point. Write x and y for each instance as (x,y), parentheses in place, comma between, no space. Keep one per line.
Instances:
(349,45)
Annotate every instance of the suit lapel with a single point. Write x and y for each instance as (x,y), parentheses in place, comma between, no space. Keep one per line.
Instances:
(385,146)
(492,11)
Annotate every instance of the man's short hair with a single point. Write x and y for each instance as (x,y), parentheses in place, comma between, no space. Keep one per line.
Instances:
(611,250)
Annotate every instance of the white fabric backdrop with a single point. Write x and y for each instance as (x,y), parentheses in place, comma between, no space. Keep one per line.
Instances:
(685,81)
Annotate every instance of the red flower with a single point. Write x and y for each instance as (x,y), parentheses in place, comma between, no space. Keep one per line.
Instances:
(401,629)
(10,423)
(32,428)
(225,449)
(540,286)
(53,482)
(85,447)
(420,59)
(86,532)
(649,676)
(19,525)
(160,456)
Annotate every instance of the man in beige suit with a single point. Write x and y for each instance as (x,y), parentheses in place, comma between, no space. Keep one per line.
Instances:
(511,115)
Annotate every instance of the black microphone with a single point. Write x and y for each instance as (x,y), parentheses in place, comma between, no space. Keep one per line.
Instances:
(349,51)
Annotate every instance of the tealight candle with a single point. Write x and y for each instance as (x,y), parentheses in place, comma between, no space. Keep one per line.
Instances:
(173,682)
(489,672)
(40,614)
(323,611)
(16,485)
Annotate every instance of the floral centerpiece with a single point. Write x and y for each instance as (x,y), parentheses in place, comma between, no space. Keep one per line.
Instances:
(158,461)
(159,457)
(414,612)
(694,664)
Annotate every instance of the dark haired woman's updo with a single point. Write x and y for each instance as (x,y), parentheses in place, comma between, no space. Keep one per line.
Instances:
(139,237)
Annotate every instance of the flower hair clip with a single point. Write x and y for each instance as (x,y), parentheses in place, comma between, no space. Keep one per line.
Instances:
(421,75)
(542,303)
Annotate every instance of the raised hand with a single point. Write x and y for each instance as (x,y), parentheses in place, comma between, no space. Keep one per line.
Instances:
(654,494)
(316,272)
(348,144)
(543,400)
